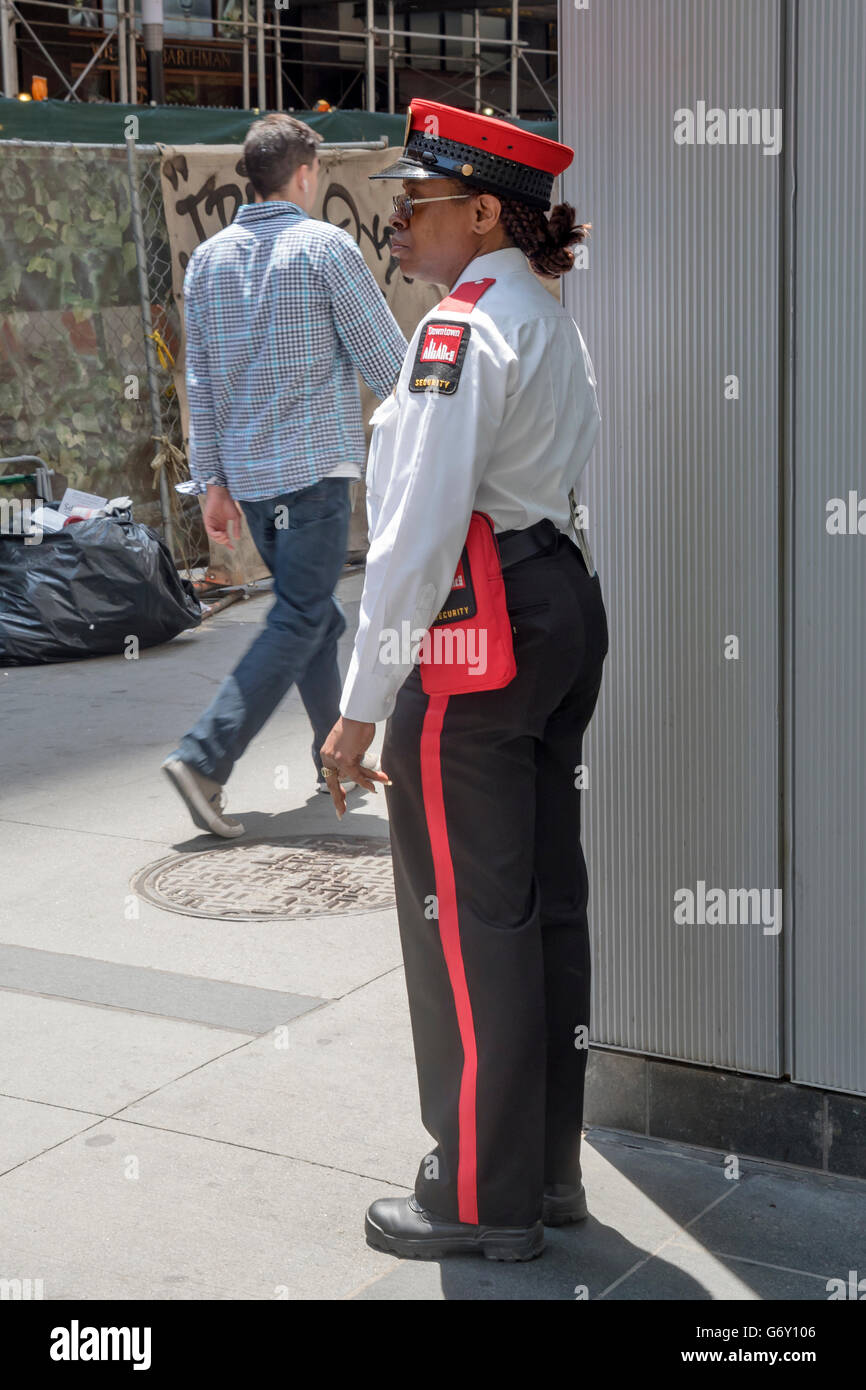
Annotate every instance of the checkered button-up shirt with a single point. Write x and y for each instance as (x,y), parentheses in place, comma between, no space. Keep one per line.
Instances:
(280,311)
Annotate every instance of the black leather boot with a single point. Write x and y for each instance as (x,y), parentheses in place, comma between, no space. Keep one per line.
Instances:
(563,1205)
(400,1226)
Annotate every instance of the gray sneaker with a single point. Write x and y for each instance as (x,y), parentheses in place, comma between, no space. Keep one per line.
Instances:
(205,800)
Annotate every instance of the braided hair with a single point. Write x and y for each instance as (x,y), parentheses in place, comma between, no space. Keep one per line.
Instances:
(544,240)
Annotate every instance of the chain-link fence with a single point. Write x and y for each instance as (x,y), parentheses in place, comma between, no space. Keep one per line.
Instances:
(89,329)
(161,324)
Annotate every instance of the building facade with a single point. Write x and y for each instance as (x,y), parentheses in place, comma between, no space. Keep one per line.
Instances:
(719,159)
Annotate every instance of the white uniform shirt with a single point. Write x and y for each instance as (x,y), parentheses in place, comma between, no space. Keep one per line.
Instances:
(510,440)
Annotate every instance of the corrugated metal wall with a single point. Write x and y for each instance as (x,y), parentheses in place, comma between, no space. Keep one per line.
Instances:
(829,964)
(682,289)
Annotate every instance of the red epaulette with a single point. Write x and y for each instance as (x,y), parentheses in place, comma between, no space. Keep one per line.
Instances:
(466,296)
(442,346)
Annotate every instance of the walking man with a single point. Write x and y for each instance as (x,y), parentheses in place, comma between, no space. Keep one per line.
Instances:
(280,310)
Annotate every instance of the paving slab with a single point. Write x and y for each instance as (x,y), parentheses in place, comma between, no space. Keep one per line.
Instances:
(337,1087)
(662,1186)
(558,1275)
(140,990)
(708,1277)
(86,906)
(86,808)
(800,1221)
(97,1059)
(28,1127)
(133,1213)
(119,788)
(116,720)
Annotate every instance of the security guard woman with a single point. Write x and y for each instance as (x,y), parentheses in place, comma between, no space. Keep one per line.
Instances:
(495,412)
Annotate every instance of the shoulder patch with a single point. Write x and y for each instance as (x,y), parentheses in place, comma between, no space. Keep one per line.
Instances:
(466,296)
(439,359)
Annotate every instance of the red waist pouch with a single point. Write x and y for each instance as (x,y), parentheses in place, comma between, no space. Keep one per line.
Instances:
(469,646)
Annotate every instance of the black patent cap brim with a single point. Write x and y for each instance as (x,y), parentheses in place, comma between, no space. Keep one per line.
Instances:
(409,169)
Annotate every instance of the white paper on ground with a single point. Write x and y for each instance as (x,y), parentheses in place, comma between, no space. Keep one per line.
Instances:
(47,519)
(73,498)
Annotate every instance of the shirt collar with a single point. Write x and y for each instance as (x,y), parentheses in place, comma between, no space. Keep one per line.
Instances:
(506,261)
(260,212)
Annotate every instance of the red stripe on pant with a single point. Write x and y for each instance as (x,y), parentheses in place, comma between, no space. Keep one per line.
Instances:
(449,933)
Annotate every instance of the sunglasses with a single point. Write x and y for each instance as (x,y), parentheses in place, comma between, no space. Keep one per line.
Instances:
(405,204)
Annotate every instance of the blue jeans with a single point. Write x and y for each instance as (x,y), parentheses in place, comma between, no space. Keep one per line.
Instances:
(302,537)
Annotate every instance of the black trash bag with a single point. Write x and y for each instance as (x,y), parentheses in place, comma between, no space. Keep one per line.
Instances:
(85,590)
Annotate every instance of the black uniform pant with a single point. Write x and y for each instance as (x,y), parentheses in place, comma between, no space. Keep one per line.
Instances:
(491,890)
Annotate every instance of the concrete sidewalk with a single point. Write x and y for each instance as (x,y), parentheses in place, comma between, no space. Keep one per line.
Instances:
(198,1108)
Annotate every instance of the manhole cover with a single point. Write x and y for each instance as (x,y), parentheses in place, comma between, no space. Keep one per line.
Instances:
(304,876)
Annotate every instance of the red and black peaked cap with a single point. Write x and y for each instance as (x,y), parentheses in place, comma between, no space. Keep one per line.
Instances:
(481,151)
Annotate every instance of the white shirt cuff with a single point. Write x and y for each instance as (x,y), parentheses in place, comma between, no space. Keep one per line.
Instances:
(368,699)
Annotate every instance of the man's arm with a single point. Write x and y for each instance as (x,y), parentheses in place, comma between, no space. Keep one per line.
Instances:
(204,462)
(366,326)
(441,449)
(222,515)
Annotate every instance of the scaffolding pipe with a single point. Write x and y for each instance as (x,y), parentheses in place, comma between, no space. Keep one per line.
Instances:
(9,73)
(391,56)
(245,53)
(329,37)
(371,58)
(515,53)
(16,14)
(97,54)
(278,60)
(451,38)
(534,75)
(365,40)
(153,385)
(131,55)
(380,144)
(120,35)
(261,84)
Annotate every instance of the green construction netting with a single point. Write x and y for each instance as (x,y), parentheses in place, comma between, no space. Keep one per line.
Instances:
(70,122)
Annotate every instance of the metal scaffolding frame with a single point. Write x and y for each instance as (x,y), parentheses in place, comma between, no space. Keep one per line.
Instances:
(266,36)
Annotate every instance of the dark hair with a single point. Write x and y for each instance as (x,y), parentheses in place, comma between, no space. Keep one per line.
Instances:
(544,239)
(275,147)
